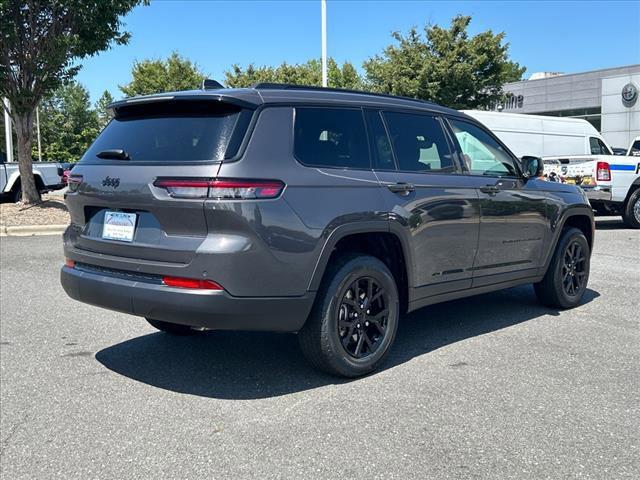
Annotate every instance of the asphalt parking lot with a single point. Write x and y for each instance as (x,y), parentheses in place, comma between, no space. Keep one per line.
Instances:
(494,386)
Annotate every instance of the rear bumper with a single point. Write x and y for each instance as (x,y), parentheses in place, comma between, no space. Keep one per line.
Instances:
(215,310)
(598,192)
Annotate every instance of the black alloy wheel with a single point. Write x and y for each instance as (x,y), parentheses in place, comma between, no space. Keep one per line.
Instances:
(363,317)
(354,319)
(565,281)
(574,271)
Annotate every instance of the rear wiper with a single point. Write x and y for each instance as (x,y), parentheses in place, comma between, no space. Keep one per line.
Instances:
(115,154)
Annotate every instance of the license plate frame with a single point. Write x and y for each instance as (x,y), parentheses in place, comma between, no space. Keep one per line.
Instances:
(119,226)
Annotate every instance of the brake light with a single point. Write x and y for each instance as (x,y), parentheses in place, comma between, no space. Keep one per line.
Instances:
(185,188)
(73,181)
(69,263)
(603,172)
(227,189)
(181,282)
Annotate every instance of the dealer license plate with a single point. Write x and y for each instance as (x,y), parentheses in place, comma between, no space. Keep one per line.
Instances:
(119,226)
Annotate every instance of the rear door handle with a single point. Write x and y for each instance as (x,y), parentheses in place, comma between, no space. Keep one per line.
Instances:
(490,189)
(401,187)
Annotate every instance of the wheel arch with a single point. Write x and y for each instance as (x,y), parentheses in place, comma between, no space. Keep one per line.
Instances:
(635,185)
(14,182)
(374,238)
(12,179)
(577,216)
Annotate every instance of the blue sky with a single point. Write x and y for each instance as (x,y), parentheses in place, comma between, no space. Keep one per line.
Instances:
(544,36)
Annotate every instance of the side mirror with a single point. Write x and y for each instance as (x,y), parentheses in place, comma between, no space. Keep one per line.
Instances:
(532,166)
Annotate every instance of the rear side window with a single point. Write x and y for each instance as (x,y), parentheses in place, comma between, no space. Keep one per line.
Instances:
(174,131)
(419,143)
(598,147)
(331,137)
(380,145)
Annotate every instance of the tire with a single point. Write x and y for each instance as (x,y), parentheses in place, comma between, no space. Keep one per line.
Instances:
(16,194)
(568,274)
(349,334)
(631,214)
(172,328)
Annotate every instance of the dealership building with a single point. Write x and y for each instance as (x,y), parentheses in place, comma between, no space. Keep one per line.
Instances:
(607,98)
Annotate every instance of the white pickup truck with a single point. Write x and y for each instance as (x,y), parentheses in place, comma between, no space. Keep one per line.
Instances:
(611,182)
(48,176)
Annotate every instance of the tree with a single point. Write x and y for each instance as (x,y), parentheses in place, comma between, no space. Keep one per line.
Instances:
(101,109)
(446,66)
(40,41)
(309,73)
(170,75)
(68,124)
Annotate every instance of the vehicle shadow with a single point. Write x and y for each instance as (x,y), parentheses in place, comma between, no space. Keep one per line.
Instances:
(250,365)
(610,223)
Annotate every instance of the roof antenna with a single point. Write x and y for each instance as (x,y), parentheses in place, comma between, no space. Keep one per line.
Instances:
(209,84)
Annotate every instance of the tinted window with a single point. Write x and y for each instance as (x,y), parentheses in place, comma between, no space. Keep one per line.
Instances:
(635,149)
(482,154)
(598,147)
(171,131)
(331,137)
(419,143)
(380,145)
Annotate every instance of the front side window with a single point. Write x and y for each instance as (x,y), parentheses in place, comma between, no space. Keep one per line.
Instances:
(482,154)
(419,143)
(331,137)
(635,149)
(598,147)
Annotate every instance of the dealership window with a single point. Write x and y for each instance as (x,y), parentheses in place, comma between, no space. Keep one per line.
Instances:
(419,143)
(482,154)
(331,137)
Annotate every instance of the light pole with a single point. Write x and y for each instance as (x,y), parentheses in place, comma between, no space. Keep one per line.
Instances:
(8,133)
(323,7)
(38,129)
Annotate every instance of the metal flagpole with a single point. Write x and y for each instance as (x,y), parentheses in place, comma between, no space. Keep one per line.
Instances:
(8,133)
(38,129)
(323,4)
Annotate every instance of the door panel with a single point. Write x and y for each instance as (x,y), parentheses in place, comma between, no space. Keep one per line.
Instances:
(424,191)
(513,218)
(442,219)
(513,226)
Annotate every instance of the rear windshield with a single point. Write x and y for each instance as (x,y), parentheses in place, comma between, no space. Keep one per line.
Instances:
(177,131)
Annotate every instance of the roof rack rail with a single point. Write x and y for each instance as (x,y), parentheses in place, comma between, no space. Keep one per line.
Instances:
(291,86)
(209,84)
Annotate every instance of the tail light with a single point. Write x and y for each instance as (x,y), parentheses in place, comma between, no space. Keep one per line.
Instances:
(69,263)
(227,189)
(73,181)
(603,172)
(181,282)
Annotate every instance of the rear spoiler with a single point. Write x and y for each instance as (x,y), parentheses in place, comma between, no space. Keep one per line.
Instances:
(116,107)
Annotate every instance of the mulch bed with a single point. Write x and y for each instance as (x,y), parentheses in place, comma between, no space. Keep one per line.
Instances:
(51,211)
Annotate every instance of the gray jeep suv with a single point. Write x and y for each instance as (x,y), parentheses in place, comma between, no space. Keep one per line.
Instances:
(323,212)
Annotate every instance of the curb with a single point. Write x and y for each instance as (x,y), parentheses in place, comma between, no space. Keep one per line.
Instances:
(32,230)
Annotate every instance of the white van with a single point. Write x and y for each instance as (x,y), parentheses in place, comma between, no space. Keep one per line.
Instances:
(574,152)
(542,136)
